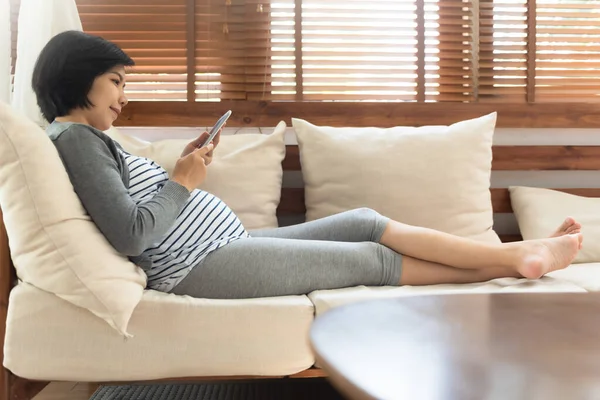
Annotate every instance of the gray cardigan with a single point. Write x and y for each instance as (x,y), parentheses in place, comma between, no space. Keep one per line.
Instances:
(100,178)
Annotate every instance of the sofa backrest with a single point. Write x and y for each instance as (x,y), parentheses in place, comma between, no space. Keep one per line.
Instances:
(505,158)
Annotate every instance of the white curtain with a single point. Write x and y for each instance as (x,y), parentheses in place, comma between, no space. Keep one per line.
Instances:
(5,51)
(39,21)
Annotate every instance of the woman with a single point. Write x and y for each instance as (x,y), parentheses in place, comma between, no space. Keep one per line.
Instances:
(190,243)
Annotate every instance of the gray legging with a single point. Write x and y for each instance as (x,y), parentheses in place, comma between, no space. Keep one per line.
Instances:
(339,251)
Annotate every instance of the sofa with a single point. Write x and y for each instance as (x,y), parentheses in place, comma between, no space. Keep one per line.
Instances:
(75,310)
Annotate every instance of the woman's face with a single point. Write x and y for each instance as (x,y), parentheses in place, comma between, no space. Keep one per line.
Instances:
(108,99)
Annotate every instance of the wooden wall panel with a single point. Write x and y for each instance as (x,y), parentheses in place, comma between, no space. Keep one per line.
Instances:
(292,199)
(265,114)
(514,158)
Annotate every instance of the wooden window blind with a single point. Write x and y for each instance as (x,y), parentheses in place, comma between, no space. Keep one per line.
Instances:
(503,50)
(450,31)
(232,50)
(384,50)
(154,34)
(567,48)
(286,80)
(357,50)
(468,51)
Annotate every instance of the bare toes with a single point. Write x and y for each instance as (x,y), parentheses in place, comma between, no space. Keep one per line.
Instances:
(567,227)
(567,222)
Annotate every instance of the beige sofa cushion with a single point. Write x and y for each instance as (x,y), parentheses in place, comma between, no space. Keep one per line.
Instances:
(324,300)
(585,275)
(539,211)
(54,244)
(432,176)
(173,337)
(246,171)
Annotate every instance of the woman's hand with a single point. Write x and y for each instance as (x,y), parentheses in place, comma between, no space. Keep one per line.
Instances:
(196,143)
(190,170)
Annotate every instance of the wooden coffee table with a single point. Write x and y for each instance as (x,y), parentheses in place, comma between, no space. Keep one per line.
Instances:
(472,346)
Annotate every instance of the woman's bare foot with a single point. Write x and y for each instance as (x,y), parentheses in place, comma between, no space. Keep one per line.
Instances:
(568,226)
(538,257)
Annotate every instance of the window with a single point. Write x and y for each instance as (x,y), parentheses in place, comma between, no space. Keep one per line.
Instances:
(567,51)
(232,50)
(546,53)
(153,33)
(384,50)
(503,50)
(380,50)
(467,51)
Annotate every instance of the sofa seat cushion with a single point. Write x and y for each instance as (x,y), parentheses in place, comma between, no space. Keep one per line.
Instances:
(325,300)
(173,336)
(585,275)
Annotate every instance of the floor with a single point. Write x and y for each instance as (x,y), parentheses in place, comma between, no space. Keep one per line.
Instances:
(67,391)
(83,391)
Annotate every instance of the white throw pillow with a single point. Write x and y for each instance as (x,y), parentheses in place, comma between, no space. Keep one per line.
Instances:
(55,246)
(245,173)
(540,211)
(432,176)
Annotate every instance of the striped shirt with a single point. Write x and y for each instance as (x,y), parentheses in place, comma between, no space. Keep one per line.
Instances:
(205,224)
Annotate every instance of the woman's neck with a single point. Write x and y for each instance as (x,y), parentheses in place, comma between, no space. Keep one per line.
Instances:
(73,117)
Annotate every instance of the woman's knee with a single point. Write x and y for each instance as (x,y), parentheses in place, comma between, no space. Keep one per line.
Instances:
(368,218)
(365,214)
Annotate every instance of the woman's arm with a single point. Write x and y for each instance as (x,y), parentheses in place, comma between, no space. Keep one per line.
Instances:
(97,181)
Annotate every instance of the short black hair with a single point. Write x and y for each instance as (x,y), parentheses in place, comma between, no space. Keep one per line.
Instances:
(66,68)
